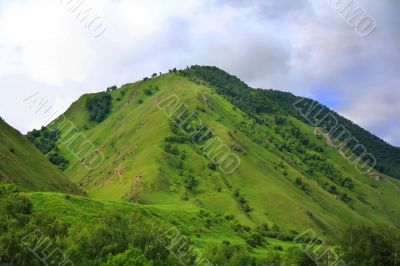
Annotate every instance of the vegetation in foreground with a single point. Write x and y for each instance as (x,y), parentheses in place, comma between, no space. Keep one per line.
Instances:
(125,234)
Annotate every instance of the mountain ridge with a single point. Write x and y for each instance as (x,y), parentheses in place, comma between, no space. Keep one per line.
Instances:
(285,168)
(387,155)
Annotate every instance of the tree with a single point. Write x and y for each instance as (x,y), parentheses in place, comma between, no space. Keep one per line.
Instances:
(17,222)
(99,106)
(112,88)
(296,256)
(226,254)
(212,166)
(255,239)
(190,182)
(364,245)
(130,257)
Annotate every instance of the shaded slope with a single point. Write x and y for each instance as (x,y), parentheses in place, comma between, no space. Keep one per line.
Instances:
(22,164)
(139,166)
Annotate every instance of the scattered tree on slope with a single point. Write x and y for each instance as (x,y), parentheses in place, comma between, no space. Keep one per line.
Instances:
(99,106)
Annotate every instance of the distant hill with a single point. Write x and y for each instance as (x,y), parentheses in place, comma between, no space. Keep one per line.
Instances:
(202,139)
(22,164)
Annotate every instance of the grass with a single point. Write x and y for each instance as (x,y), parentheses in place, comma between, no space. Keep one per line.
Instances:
(137,168)
(22,164)
(80,212)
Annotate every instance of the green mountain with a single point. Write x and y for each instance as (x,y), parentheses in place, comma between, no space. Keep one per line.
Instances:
(22,164)
(194,167)
(202,139)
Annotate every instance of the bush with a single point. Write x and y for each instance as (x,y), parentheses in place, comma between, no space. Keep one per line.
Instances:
(112,88)
(171,149)
(296,256)
(255,239)
(57,159)
(99,106)
(130,257)
(232,255)
(212,166)
(190,182)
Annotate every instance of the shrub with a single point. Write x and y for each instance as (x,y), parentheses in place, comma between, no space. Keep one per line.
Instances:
(255,239)
(212,166)
(190,182)
(112,88)
(132,257)
(99,106)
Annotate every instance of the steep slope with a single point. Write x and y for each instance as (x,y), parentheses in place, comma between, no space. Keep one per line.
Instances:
(257,101)
(22,164)
(286,176)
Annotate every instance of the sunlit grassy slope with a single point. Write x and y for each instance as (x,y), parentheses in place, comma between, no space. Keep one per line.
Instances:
(21,163)
(137,168)
(201,226)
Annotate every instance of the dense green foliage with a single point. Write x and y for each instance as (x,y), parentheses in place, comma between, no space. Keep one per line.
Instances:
(112,239)
(257,101)
(16,222)
(115,237)
(99,106)
(365,245)
(46,142)
(251,101)
(130,257)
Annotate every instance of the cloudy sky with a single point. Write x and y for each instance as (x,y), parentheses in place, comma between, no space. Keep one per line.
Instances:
(307,47)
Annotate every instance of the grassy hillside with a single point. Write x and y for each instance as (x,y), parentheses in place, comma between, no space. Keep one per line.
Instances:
(202,226)
(22,164)
(259,101)
(287,178)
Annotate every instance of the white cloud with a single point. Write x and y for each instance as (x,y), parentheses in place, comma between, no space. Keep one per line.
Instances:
(301,46)
(40,42)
